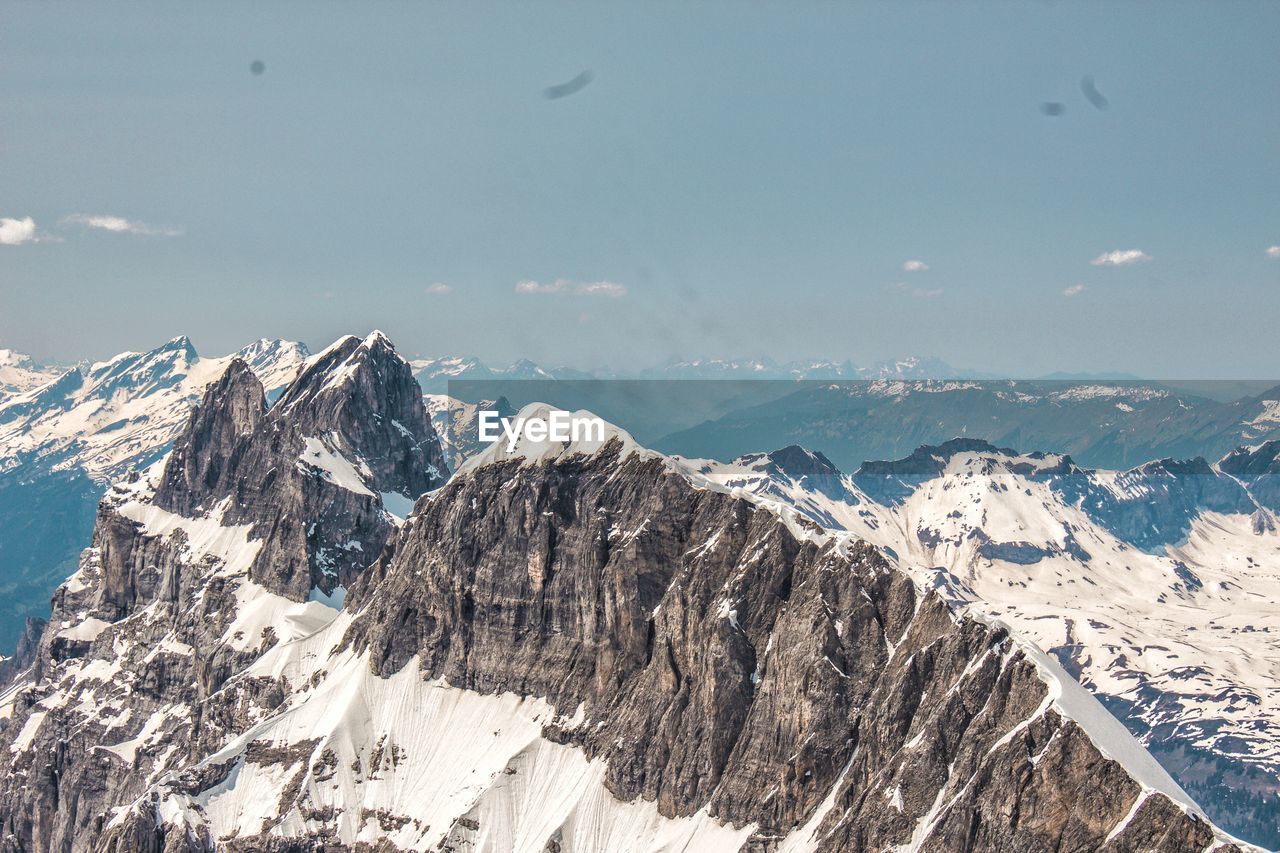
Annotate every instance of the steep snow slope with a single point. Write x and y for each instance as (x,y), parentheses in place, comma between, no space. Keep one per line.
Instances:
(1158,588)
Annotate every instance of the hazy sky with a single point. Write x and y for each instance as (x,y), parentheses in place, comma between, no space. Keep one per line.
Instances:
(736,179)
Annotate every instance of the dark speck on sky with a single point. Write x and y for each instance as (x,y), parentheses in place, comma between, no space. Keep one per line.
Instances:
(1091,93)
(564,90)
(1052,108)
(257,67)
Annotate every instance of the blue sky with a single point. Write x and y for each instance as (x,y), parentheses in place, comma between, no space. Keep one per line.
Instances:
(735,179)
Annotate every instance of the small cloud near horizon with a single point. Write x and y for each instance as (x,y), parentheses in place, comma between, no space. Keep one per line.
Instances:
(575,288)
(439,288)
(119,225)
(914,266)
(1074,290)
(1273,252)
(918,292)
(1120,258)
(15,232)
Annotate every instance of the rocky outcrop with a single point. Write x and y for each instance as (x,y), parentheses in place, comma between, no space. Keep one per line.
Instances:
(309,473)
(1258,468)
(206,457)
(64,443)
(195,571)
(724,660)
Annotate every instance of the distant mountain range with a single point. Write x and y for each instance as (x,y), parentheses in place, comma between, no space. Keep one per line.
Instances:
(434,374)
(67,431)
(1114,425)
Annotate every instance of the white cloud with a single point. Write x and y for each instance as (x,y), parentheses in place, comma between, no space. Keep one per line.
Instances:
(914,266)
(15,232)
(1074,290)
(918,292)
(119,225)
(1120,258)
(601,288)
(439,288)
(530,286)
(1273,252)
(576,288)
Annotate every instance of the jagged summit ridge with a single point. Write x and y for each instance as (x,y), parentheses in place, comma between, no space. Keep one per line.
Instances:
(310,472)
(203,458)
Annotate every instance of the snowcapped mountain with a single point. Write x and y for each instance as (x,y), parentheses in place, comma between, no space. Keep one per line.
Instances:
(62,442)
(1157,587)
(912,367)
(435,373)
(1110,425)
(581,648)
(113,415)
(18,373)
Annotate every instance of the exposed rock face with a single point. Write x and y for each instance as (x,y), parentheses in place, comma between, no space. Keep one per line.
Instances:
(1157,587)
(303,473)
(723,662)
(204,461)
(195,571)
(595,651)
(63,443)
(1259,469)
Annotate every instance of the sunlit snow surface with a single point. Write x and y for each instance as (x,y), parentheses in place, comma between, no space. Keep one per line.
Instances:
(433,754)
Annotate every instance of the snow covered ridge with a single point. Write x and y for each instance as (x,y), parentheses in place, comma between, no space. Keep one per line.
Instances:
(1159,588)
(542,447)
(118,414)
(19,374)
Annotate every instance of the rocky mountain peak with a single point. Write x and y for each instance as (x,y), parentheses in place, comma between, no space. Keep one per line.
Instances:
(1252,461)
(809,468)
(231,410)
(1258,469)
(313,473)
